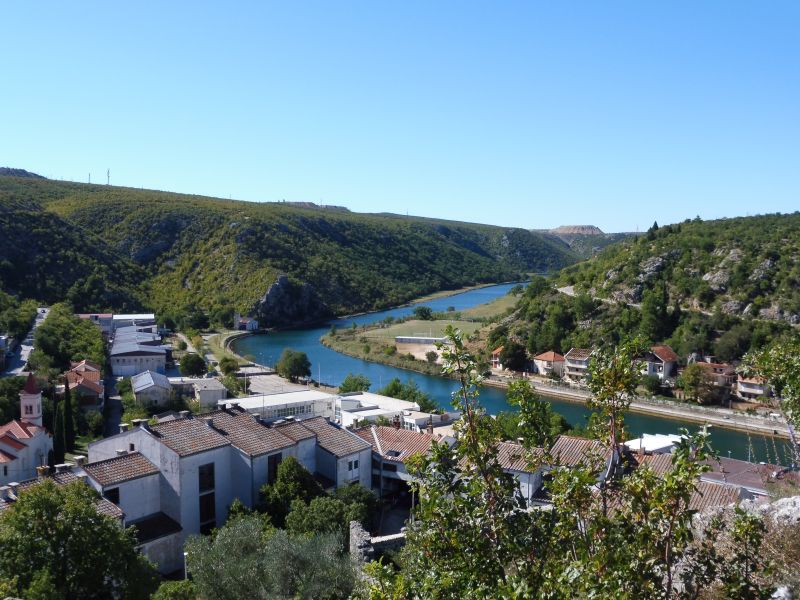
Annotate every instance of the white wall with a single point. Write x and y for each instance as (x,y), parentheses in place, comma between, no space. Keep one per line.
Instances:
(128,366)
(139,497)
(165,552)
(190,487)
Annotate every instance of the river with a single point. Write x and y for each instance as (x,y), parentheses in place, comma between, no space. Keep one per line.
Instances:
(331,368)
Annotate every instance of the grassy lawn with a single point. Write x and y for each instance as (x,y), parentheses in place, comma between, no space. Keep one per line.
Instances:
(496,307)
(214,344)
(420,329)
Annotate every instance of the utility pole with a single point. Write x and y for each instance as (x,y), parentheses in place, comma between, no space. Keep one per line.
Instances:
(90,178)
(108,177)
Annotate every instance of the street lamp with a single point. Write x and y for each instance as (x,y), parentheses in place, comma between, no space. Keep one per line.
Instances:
(185,569)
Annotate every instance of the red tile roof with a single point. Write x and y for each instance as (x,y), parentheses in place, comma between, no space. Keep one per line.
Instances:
(84,366)
(73,376)
(5,457)
(658,463)
(120,469)
(569,451)
(578,354)
(550,357)
(713,495)
(335,440)
(247,434)
(102,505)
(497,350)
(397,444)
(189,436)
(22,430)
(92,386)
(513,456)
(665,353)
(11,441)
(295,431)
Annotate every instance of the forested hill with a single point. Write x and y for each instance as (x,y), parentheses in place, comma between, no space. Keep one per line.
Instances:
(742,266)
(177,253)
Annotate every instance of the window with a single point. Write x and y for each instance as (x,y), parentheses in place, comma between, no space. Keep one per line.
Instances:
(206,477)
(208,508)
(132,447)
(112,495)
(28,409)
(272,467)
(5,470)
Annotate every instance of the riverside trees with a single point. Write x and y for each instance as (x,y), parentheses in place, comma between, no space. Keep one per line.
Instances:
(606,535)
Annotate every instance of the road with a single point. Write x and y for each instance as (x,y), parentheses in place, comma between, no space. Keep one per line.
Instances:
(17,363)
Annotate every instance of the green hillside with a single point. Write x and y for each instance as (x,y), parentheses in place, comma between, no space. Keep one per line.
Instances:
(193,251)
(742,266)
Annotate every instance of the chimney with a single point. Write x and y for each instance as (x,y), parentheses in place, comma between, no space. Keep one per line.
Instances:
(430,425)
(396,422)
(123,427)
(41,472)
(121,452)
(83,478)
(184,414)
(209,421)
(80,460)
(63,467)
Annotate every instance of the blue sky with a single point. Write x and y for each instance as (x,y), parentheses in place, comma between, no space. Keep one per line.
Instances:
(531,114)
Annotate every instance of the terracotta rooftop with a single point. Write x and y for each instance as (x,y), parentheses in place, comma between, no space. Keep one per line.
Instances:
(550,357)
(335,440)
(103,506)
(86,383)
(73,376)
(12,442)
(84,365)
(189,436)
(247,434)
(578,353)
(497,350)
(748,475)
(712,495)
(397,444)
(569,451)
(513,456)
(120,469)
(5,457)
(665,353)
(658,463)
(295,431)
(22,430)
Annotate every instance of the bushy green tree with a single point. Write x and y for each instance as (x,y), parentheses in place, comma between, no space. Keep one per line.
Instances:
(354,383)
(246,560)
(193,365)
(293,482)
(53,539)
(696,382)
(293,364)
(409,391)
(228,365)
(423,313)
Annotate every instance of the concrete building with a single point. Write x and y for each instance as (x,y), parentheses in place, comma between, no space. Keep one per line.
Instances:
(660,361)
(128,359)
(244,323)
(354,407)
(299,404)
(145,321)
(751,388)
(151,388)
(576,364)
(497,363)
(24,443)
(549,363)
(209,391)
(203,463)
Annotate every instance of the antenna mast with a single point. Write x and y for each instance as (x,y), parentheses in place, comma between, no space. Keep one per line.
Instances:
(108,177)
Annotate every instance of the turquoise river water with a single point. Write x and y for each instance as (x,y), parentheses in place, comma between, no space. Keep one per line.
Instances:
(331,368)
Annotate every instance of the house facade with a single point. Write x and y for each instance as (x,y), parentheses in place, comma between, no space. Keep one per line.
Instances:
(661,362)
(576,364)
(496,363)
(151,387)
(128,359)
(549,364)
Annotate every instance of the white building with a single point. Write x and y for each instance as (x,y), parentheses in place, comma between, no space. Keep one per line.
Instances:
(145,321)
(301,404)
(209,391)
(576,363)
(24,443)
(654,443)
(151,388)
(128,359)
(549,363)
(660,361)
(354,407)
(751,388)
(205,462)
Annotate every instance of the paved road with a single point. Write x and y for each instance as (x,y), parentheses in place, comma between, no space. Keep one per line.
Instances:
(16,364)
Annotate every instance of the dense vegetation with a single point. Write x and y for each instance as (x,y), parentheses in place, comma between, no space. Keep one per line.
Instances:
(16,317)
(221,254)
(62,338)
(744,266)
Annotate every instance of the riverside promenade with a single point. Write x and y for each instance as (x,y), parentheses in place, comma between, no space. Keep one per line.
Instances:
(723,417)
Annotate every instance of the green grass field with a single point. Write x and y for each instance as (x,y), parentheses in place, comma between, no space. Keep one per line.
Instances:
(420,329)
(491,309)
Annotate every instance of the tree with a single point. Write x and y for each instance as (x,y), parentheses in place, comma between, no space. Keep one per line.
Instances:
(354,383)
(292,365)
(59,435)
(514,356)
(293,482)
(423,313)
(245,559)
(536,422)
(69,419)
(431,356)
(53,537)
(473,537)
(696,382)
(176,590)
(193,365)
(655,322)
(228,365)
(409,391)
(322,515)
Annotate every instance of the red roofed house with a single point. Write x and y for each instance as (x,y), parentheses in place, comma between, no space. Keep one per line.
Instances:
(496,364)
(751,388)
(24,443)
(549,363)
(660,361)
(86,384)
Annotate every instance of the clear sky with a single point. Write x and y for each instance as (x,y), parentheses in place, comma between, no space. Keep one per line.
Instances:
(531,114)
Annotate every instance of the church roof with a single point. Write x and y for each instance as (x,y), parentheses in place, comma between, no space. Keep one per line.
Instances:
(31,387)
